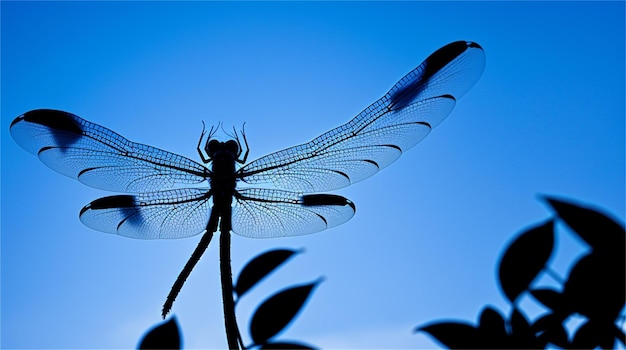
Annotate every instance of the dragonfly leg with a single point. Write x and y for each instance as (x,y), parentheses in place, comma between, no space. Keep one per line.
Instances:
(208,139)
(239,159)
(199,148)
(204,152)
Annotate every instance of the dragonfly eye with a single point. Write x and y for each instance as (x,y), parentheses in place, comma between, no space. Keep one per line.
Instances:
(232,146)
(212,147)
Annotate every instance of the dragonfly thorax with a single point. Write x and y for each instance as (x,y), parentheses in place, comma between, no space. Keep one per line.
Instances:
(223,156)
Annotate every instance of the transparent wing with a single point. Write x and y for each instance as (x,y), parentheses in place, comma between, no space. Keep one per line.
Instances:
(99,157)
(268,213)
(169,214)
(379,134)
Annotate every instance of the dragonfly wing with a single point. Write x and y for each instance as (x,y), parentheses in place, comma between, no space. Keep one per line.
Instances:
(99,157)
(378,135)
(168,214)
(269,213)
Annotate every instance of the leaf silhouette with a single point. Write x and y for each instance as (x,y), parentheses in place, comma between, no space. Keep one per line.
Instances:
(522,336)
(492,321)
(519,323)
(524,259)
(594,334)
(455,335)
(164,336)
(595,228)
(492,329)
(259,267)
(277,312)
(595,287)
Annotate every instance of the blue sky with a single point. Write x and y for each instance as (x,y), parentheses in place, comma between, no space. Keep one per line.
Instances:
(547,117)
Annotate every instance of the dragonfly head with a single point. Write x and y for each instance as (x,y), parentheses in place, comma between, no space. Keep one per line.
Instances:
(231,146)
(215,146)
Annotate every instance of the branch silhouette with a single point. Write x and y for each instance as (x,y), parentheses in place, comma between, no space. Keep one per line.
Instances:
(269,319)
(594,289)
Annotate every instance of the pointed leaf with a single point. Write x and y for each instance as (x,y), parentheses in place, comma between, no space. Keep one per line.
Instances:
(277,312)
(492,329)
(524,259)
(595,287)
(522,337)
(455,335)
(164,336)
(601,232)
(286,346)
(519,323)
(259,267)
(594,334)
(491,321)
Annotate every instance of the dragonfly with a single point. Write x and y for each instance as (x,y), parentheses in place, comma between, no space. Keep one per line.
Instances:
(167,196)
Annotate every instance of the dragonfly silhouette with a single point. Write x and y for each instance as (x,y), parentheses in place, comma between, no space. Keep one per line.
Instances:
(158,206)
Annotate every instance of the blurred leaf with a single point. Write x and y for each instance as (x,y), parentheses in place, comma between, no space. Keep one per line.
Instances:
(259,267)
(550,298)
(164,336)
(594,334)
(455,335)
(619,334)
(519,323)
(492,322)
(597,229)
(524,259)
(522,336)
(549,329)
(277,312)
(596,287)
(492,329)
(286,346)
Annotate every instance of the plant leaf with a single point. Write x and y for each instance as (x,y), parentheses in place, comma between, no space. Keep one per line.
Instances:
(522,335)
(259,267)
(492,322)
(595,287)
(525,258)
(164,336)
(455,335)
(594,334)
(277,311)
(492,329)
(598,230)
(519,323)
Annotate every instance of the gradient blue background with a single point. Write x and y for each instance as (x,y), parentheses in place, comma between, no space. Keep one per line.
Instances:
(547,117)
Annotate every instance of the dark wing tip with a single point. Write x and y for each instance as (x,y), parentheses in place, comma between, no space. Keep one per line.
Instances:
(445,55)
(433,64)
(326,199)
(119,201)
(51,118)
(111,214)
